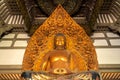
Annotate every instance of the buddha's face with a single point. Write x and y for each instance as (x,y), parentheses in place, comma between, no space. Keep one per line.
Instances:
(60,41)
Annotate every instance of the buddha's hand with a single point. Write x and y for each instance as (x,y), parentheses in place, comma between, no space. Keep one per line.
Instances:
(60,71)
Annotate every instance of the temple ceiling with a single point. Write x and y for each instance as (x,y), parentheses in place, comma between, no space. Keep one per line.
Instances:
(48,6)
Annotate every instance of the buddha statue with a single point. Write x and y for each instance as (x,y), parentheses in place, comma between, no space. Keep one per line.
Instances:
(57,61)
(60,60)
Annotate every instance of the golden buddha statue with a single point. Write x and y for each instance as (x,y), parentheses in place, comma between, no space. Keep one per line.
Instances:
(60,60)
(57,61)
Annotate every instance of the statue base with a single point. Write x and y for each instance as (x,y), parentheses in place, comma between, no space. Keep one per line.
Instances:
(87,75)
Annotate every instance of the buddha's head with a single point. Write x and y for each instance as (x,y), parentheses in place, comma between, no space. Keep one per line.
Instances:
(60,41)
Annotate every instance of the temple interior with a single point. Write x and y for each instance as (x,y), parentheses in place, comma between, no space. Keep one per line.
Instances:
(19,19)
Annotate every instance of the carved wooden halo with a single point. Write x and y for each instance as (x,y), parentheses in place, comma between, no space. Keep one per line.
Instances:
(77,40)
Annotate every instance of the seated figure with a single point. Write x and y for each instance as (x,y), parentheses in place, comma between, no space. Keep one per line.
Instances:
(60,60)
(57,61)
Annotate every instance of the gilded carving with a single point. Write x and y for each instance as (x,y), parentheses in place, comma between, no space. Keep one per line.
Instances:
(77,42)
